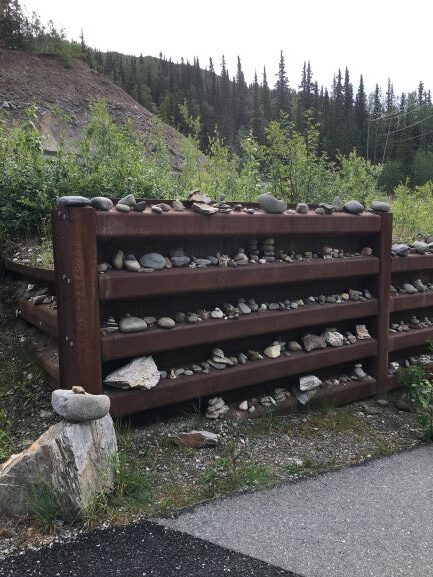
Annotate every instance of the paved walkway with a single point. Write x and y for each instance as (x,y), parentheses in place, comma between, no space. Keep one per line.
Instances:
(374,520)
(144,549)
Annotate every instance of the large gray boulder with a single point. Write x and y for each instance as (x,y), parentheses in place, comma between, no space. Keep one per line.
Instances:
(74,461)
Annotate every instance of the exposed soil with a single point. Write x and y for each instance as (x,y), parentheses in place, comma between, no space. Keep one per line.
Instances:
(63,95)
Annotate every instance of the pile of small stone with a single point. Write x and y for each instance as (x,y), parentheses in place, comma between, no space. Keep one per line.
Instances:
(267,248)
(227,311)
(203,204)
(413,323)
(253,250)
(417,247)
(216,408)
(424,359)
(267,253)
(418,286)
(220,361)
(304,390)
(40,296)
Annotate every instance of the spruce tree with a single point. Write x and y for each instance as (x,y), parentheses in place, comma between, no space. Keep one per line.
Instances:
(361,118)
(257,114)
(282,94)
(266,98)
(11,24)
(240,98)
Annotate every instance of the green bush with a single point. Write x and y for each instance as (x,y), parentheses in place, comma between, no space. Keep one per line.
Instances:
(412,209)
(114,160)
(392,175)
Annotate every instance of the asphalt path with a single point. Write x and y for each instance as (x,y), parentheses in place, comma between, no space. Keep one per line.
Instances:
(374,520)
(144,549)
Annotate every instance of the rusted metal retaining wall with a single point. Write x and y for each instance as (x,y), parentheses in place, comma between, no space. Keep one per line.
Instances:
(83,237)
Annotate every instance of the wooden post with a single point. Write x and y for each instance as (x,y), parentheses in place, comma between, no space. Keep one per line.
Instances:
(384,281)
(75,261)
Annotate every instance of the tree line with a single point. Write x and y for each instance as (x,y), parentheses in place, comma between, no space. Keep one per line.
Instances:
(383,127)
(395,130)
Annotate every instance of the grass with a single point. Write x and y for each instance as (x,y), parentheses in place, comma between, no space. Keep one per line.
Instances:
(5,441)
(334,420)
(269,422)
(43,505)
(231,473)
(21,385)
(381,447)
(197,419)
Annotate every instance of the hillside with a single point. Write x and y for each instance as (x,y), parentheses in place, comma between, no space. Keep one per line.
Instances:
(63,96)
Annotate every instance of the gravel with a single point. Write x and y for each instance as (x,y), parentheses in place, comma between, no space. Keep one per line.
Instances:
(140,550)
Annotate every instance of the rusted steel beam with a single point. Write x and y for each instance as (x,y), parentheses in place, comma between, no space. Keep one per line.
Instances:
(35,274)
(347,393)
(411,338)
(118,285)
(177,390)
(40,316)
(120,345)
(407,302)
(50,365)
(75,257)
(411,262)
(383,282)
(113,224)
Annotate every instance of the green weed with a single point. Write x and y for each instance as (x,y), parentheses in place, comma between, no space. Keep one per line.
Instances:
(229,474)
(43,505)
(334,420)
(422,394)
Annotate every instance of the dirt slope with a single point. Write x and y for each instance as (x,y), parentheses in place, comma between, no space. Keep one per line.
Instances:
(63,95)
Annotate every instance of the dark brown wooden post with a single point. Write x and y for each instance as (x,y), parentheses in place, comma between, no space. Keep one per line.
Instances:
(383,284)
(75,261)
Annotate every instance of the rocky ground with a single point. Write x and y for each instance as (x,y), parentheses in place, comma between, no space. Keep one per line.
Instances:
(253,451)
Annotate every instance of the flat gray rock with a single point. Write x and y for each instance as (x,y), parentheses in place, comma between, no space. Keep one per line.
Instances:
(420,246)
(153,260)
(166,323)
(379,206)
(203,208)
(400,249)
(180,261)
(123,207)
(140,206)
(101,203)
(354,207)
(312,342)
(196,439)
(302,208)
(128,200)
(338,204)
(77,407)
(132,325)
(140,373)
(73,201)
(272,205)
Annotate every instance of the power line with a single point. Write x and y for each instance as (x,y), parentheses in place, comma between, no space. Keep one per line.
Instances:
(405,127)
(413,137)
(396,113)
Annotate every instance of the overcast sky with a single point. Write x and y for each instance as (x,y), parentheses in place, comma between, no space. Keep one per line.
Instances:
(379,38)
